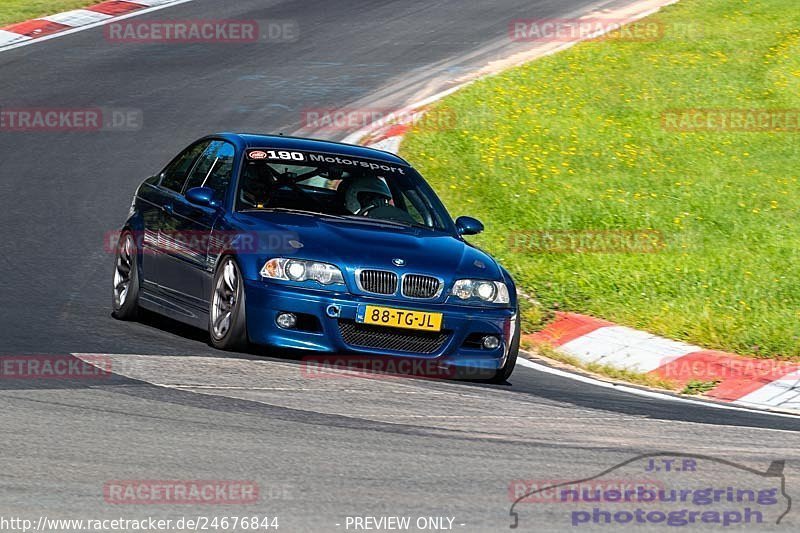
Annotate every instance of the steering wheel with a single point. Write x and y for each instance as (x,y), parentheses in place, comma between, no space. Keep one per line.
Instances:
(364,211)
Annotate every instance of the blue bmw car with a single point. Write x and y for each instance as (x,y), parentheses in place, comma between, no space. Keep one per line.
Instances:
(313,245)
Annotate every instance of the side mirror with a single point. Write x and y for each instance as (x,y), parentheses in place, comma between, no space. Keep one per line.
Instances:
(203,196)
(468,226)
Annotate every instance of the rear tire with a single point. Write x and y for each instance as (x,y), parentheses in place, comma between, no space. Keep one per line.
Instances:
(227,323)
(125,298)
(502,375)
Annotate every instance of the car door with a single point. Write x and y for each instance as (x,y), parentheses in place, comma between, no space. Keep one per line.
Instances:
(187,227)
(157,198)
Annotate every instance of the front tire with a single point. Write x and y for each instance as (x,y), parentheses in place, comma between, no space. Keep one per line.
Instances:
(227,324)
(125,302)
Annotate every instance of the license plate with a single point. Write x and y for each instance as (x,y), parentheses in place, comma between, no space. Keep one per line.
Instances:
(399,318)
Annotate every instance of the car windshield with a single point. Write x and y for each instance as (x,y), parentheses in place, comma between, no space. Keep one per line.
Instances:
(338,186)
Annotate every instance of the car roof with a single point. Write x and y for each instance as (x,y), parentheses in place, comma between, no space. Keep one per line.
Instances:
(284,142)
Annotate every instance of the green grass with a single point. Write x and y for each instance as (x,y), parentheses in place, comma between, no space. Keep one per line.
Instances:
(20,10)
(695,387)
(575,141)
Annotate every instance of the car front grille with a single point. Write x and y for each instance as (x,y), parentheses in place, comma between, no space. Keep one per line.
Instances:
(378,281)
(418,286)
(398,340)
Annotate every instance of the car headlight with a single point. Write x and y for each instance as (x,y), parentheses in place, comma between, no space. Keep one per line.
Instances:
(478,289)
(300,270)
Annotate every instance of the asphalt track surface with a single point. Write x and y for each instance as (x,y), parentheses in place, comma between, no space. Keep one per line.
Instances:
(319,449)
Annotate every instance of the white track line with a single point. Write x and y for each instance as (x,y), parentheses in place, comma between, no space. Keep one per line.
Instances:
(642,392)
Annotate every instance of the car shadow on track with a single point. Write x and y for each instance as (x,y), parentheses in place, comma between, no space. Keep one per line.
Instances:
(298,357)
(168,325)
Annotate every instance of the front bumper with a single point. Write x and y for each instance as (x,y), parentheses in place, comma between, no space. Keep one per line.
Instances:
(454,355)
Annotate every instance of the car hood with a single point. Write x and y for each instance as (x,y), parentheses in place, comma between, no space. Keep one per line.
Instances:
(352,244)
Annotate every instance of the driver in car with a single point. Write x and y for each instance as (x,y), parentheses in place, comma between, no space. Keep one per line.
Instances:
(370,196)
(256,187)
(365,193)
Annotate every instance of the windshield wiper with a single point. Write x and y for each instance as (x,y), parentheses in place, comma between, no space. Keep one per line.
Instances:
(354,218)
(298,211)
(389,221)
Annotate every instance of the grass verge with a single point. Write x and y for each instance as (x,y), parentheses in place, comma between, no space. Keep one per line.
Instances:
(20,10)
(696,386)
(575,142)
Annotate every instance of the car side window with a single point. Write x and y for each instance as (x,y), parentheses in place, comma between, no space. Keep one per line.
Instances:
(214,169)
(174,176)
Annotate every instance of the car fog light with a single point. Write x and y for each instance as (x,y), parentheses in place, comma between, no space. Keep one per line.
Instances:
(490,342)
(286,320)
